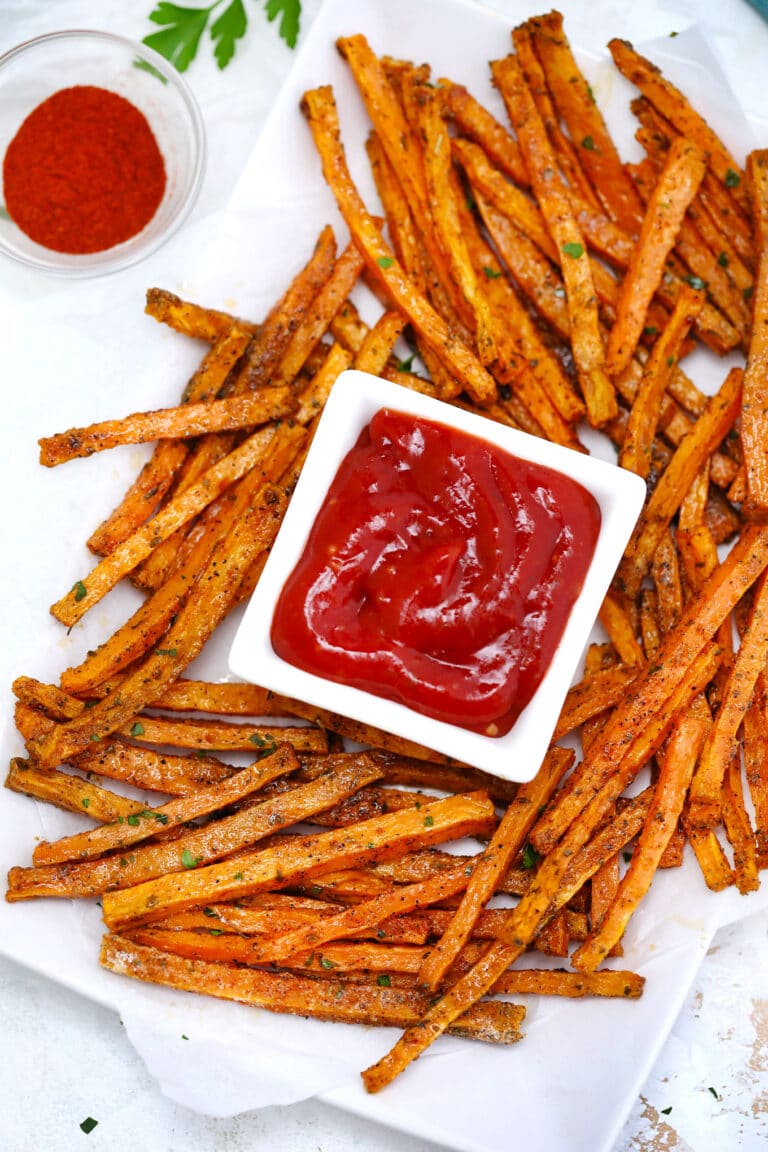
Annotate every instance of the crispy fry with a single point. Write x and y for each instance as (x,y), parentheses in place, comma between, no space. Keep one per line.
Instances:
(665,809)
(234,412)
(672,104)
(709,430)
(704,810)
(635,452)
(508,840)
(282,992)
(142,825)
(70,792)
(479,125)
(191,319)
(319,107)
(222,838)
(552,195)
(207,604)
(306,856)
(754,430)
(576,104)
(676,187)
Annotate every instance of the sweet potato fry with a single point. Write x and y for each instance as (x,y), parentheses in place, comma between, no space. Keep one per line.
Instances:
(557,982)
(617,624)
(190,319)
(142,825)
(594,694)
(320,109)
(704,810)
(69,792)
(675,107)
(85,593)
(477,123)
(710,429)
(666,807)
(576,104)
(754,423)
(641,428)
(676,187)
(368,914)
(738,829)
(207,604)
(234,412)
(552,196)
(508,840)
(221,735)
(306,856)
(351,1003)
(219,839)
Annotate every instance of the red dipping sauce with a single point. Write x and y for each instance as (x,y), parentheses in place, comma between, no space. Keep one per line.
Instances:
(440,572)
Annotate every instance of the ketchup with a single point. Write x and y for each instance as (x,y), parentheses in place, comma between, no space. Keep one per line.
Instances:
(440,572)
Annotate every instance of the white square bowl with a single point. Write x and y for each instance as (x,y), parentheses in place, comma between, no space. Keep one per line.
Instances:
(354,400)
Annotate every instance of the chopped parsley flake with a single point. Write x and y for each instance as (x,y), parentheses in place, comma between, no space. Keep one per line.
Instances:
(383,980)
(588,143)
(491,273)
(573,250)
(732,180)
(138,729)
(81,592)
(428,821)
(188,860)
(88,1124)
(530,857)
(385,262)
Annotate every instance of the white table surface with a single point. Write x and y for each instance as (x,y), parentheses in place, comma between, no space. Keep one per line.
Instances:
(63,1058)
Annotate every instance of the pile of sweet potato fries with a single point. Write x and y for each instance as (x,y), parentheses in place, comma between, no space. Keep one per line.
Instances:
(544,282)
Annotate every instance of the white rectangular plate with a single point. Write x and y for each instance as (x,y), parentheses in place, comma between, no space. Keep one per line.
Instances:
(573,1079)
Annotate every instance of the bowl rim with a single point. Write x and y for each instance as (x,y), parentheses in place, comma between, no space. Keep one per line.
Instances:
(170,74)
(517,755)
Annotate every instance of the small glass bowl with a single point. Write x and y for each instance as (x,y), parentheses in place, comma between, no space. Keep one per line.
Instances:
(33,71)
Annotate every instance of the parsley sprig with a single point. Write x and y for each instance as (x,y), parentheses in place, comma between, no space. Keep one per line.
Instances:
(182,28)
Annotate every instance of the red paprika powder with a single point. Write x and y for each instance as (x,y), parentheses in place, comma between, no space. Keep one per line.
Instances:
(83,172)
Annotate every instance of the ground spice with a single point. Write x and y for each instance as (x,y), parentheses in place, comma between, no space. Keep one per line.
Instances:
(83,172)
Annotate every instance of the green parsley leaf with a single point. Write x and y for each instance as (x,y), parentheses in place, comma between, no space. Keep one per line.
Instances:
(227,30)
(210,912)
(184,1037)
(627,857)
(188,860)
(385,261)
(172,652)
(723,259)
(237,876)
(573,250)
(80,591)
(262,741)
(133,821)
(714,1092)
(216,931)
(666,1111)
(383,980)
(588,143)
(88,1124)
(179,39)
(695,282)
(492,273)
(530,857)
(650,330)
(732,179)
(428,821)
(289,12)
(405,365)
(85,802)
(138,729)
(326,963)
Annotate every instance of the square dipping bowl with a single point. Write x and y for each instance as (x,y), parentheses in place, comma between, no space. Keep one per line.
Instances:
(355,398)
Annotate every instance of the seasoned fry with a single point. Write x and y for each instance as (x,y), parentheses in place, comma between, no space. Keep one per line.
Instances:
(552,195)
(232,836)
(117,837)
(207,604)
(508,840)
(674,106)
(676,187)
(189,420)
(70,792)
(353,1003)
(320,109)
(191,319)
(306,856)
(754,430)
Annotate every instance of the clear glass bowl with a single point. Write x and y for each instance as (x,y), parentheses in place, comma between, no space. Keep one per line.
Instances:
(33,71)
